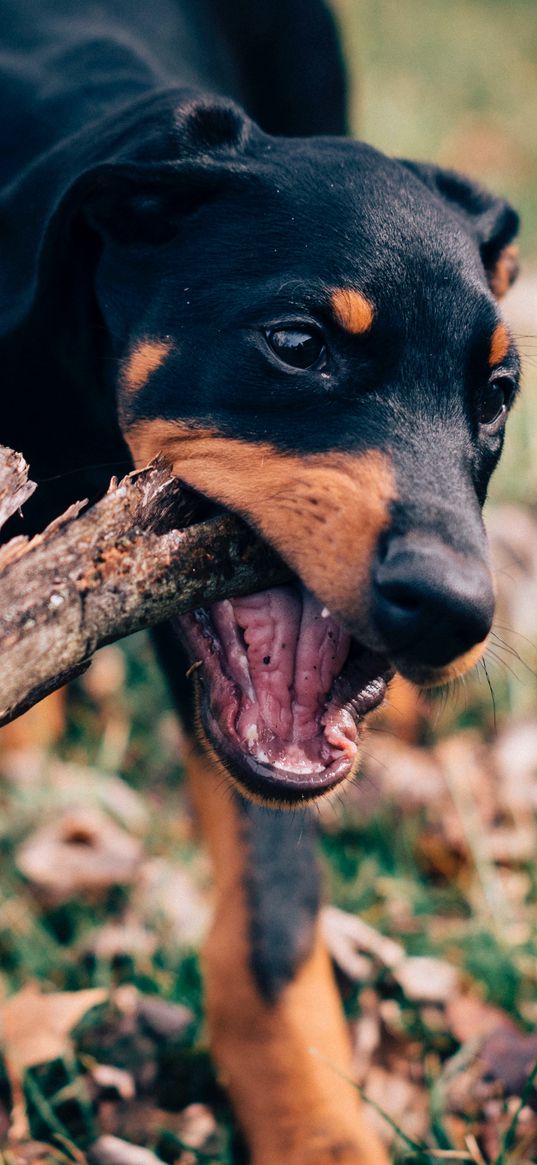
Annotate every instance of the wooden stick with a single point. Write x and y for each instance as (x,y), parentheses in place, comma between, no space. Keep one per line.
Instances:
(94,576)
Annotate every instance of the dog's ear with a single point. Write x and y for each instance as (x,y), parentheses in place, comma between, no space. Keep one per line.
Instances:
(143,202)
(207,125)
(129,179)
(491,220)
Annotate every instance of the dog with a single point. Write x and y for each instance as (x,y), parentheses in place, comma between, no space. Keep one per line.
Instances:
(196,261)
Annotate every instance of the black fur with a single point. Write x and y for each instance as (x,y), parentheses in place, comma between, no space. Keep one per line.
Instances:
(283,889)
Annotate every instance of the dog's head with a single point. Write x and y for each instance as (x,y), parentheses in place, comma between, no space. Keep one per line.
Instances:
(309,331)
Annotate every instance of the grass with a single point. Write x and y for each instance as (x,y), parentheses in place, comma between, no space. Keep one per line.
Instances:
(451,83)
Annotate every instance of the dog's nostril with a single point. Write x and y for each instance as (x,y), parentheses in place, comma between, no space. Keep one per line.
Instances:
(402,596)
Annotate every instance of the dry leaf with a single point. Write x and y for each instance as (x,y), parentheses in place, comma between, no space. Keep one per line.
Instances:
(34,1029)
(125,937)
(111,1150)
(111,1079)
(348,938)
(84,851)
(469,1017)
(35,1026)
(69,785)
(197,1127)
(507,1055)
(161,1019)
(427,980)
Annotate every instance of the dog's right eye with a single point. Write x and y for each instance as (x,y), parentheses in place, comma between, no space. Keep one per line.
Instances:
(298,347)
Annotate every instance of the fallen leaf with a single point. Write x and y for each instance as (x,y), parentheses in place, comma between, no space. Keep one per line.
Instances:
(353,944)
(84,851)
(469,1017)
(34,1029)
(125,937)
(161,1019)
(35,1026)
(111,1079)
(72,785)
(198,1128)
(348,938)
(109,1150)
(427,980)
(507,1056)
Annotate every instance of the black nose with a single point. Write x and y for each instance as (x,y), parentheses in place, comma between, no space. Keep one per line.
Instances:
(431,604)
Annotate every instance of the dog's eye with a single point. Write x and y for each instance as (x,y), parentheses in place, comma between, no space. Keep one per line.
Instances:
(298,347)
(495,402)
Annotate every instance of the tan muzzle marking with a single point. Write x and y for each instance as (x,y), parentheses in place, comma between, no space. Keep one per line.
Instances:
(323,512)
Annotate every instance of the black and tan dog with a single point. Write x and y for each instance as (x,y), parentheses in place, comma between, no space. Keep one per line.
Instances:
(309,331)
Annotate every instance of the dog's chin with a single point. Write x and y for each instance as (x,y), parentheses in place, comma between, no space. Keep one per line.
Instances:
(427,676)
(283,692)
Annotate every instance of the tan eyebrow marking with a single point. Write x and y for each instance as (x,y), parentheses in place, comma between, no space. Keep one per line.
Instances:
(500,342)
(142,361)
(352,310)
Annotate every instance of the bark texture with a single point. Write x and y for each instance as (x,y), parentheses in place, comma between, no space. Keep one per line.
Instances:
(97,574)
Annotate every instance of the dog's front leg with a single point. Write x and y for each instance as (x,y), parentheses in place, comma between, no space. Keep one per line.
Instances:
(277,1030)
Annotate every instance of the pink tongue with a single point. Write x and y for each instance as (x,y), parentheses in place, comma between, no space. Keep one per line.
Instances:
(293,657)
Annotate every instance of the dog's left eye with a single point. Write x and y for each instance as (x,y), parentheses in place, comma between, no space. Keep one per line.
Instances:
(495,402)
(297,347)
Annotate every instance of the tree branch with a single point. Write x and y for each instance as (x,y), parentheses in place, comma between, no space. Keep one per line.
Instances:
(97,574)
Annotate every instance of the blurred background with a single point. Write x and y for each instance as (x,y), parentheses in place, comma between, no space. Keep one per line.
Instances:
(429,858)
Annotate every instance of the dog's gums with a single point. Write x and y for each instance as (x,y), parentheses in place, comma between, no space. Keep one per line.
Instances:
(283,691)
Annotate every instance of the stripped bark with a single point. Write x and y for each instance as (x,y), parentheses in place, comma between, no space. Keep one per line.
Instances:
(97,574)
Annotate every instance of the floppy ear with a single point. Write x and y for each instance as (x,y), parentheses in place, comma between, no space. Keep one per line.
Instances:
(491,220)
(143,203)
(123,177)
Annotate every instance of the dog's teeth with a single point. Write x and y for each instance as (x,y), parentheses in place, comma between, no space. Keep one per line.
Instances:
(325,613)
(193,667)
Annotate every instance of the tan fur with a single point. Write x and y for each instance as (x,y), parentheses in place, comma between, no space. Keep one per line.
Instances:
(295,1105)
(144,359)
(323,512)
(499,345)
(352,310)
(505,271)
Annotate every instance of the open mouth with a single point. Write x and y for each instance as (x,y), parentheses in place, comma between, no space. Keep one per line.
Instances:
(284,691)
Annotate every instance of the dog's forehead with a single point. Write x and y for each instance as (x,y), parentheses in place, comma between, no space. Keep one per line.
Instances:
(340,187)
(306,226)
(340,214)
